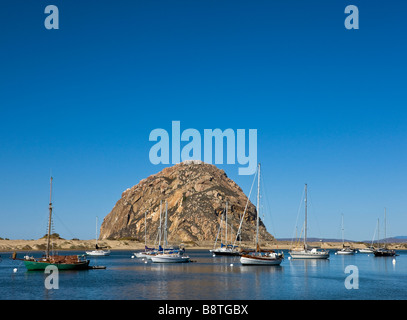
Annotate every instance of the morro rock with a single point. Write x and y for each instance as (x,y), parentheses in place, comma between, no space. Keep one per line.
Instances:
(196,195)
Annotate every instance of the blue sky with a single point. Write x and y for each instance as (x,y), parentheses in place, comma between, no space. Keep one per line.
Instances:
(328,103)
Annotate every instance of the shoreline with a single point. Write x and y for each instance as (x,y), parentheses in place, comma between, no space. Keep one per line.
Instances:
(75,245)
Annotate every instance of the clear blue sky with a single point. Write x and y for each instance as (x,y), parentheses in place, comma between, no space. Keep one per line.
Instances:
(329,105)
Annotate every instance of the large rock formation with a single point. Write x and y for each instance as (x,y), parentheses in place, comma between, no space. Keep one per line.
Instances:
(196,194)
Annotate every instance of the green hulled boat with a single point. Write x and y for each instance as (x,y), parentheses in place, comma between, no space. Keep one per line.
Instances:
(62,262)
(69,263)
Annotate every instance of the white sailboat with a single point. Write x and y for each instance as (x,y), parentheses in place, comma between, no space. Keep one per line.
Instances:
(370,249)
(98,250)
(307,252)
(259,256)
(224,249)
(169,255)
(346,250)
(367,250)
(148,252)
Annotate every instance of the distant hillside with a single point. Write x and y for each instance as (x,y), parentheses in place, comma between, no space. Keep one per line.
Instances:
(315,240)
(398,239)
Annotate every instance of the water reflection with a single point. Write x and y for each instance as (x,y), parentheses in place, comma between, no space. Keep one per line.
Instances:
(308,265)
(214,278)
(207,278)
(384,264)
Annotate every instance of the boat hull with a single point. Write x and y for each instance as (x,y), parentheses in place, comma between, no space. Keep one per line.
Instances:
(144,255)
(345,253)
(384,253)
(40,265)
(168,258)
(98,253)
(262,261)
(365,251)
(309,255)
(220,252)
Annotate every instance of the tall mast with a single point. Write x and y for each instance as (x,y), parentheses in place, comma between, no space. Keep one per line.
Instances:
(50,217)
(343,234)
(226,223)
(159,228)
(305,223)
(96,231)
(145,229)
(384,241)
(258,208)
(166,227)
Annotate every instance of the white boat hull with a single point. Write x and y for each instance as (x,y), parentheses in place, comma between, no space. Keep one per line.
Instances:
(309,254)
(146,255)
(366,251)
(345,253)
(260,261)
(169,258)
(98,253)
(269,259)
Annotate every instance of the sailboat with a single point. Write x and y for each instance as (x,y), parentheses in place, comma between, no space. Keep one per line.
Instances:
(147,251)
(346,250)
(383,251)
(259,256)
(371,248)
(169,255)
(224,249)
(62,262)
(307,252)
(98,250)
(367,250)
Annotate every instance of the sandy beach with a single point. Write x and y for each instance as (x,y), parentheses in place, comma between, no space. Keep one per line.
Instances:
(63,244)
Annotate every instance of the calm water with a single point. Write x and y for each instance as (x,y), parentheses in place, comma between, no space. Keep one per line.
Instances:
(211,278)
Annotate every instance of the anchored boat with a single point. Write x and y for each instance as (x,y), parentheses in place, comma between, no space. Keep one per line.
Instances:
(169,255)
(224,249)
(384,251)
(62,262)
(259,256)
(346,250)
(98,250)
(307,252)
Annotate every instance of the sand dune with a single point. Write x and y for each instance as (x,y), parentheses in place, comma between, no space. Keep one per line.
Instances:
(62,244)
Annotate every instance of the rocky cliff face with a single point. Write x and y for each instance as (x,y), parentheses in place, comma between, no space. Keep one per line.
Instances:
(196,194)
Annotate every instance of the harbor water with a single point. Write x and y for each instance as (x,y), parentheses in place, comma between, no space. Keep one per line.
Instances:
(354,277)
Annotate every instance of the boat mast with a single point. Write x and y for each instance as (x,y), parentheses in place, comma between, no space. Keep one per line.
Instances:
(239,230)
(305,223)
(159,228)
(165,225)
(219,231)
(50,217)
(145,229)
(258,207)
(343,235)
(226,223)
(384,240)
(96,232)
